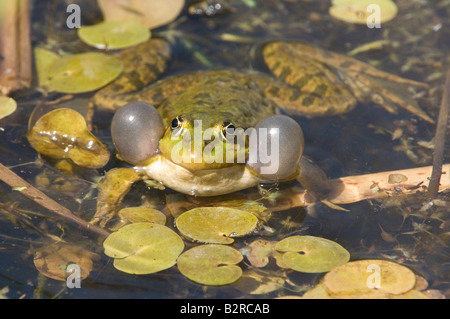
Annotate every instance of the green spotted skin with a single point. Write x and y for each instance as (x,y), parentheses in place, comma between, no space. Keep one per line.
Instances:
(305,80)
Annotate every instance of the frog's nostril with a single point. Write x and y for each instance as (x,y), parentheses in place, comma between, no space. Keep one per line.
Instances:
(136,129)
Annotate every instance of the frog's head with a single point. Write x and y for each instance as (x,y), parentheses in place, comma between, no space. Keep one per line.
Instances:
(202,141)
(205,141)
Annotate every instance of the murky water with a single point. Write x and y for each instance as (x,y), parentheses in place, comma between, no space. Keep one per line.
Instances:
(401,229)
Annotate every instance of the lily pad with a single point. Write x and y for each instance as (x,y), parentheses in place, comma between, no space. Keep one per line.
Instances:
(114,34)
(82,72)
(142,215)
(143,248)
(355,279)
(43,60)
(311,254)
(63,134)
(52,260)
(212,264)
(7,106)
(150,13)
(359,11)
(216,224)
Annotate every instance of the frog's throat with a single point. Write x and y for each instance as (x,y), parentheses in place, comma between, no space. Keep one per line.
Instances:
(200,182)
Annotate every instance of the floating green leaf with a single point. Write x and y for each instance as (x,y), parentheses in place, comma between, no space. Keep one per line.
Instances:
(114,34)
(363,11)
(43,60)
(369,278)
(82,72)
(63,134)
(215,224)
(142,214)
(212,264)
(7,106)
(143,248)
(311,254)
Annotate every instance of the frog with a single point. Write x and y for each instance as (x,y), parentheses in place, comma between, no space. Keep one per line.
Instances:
(156,119)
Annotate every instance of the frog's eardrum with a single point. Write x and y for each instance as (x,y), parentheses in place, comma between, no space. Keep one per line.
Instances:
(277,148)
(136,129)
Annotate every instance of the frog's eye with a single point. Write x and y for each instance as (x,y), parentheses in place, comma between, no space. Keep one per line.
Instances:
(136,129)
(176,123)
(228,129)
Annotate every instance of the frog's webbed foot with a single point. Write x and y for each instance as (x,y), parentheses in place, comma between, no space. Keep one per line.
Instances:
(363,82)
(112,189)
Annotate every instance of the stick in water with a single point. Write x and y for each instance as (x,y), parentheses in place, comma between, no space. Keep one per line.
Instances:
(15,181)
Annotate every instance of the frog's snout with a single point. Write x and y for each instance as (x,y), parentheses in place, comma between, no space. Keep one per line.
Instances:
(136,129)
(276,147)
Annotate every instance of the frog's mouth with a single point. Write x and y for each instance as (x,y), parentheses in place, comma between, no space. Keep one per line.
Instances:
(205,182)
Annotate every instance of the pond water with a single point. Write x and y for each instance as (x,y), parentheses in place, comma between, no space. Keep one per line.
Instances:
(368,139)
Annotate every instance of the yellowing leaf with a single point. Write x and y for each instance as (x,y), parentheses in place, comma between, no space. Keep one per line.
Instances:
(361,278)
(143,248)
(215,224)
(150,13)
(114,34)
(311,254)
(212,264)
(363,11)
(7,106)
(63,134)
(82,72)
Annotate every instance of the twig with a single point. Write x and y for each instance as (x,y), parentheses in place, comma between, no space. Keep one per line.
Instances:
(441,131)
(15,45)
(352,189)
(13,180)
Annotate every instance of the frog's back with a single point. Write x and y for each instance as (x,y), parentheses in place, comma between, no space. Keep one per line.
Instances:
(217,96)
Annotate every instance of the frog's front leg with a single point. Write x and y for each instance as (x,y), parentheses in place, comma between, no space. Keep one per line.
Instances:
(314,72)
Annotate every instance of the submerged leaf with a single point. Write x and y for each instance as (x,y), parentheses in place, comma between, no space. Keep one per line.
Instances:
(259,252)
(370,277)
(7,106)
(150,13)
(216,224)
(363,11)
(256,283)
(212,264)
(143,248)
(311,254)
(114,34)
(52,261)
(142,215)
(63,134)
(82,72)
